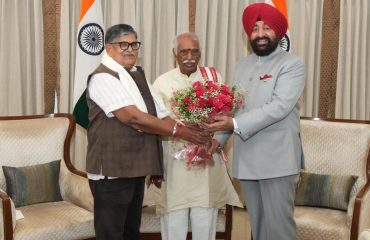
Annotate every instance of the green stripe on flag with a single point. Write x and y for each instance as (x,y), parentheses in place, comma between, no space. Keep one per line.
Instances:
(81,111)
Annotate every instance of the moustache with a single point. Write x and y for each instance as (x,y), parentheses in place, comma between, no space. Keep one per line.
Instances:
(128,54)
(188,61)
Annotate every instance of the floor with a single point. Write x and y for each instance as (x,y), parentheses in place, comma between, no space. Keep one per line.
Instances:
(241,229)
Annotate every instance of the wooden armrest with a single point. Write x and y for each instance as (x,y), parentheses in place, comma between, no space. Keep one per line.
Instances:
(7,216)
(362,195)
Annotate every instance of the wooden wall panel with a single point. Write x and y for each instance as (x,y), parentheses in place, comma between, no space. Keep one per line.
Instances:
(329,58)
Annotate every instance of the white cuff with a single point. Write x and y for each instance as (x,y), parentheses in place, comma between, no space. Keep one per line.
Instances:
(236,128)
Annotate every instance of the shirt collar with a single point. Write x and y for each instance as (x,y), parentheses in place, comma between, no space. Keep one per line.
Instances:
(133,69)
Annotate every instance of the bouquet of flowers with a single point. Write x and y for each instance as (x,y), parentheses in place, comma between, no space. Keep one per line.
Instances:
(200,103)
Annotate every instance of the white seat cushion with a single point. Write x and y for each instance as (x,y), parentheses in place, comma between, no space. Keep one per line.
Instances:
(55,220)
(321,223)
(365,235)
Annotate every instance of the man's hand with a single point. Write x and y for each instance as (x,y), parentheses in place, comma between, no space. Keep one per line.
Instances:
(222,123)
(156,180)
(213,147)
(193,134)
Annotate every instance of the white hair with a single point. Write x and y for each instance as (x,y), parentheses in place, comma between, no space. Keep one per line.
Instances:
(175,41)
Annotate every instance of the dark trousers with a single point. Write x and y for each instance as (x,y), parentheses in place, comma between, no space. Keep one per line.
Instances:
(117,207)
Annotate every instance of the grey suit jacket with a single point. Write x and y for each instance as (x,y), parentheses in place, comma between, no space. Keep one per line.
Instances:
(267,143)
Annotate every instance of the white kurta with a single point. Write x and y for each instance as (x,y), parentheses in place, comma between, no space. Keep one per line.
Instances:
(200,186)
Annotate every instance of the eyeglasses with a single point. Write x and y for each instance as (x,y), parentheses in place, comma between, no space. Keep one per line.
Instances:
(126,45)
(194,51)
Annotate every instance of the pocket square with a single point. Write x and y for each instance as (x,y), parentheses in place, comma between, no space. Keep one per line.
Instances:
(266,76)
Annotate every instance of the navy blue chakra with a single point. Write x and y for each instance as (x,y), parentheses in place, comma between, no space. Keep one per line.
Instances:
(285,43)
(91,39)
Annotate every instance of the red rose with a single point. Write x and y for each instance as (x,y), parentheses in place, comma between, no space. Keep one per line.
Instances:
(197,84)
(223,98)
(191,106)
(215,111)
(226,109)
(202,102)
(186,100)
(225,89)
(212,87)
(211,101)
(199,91)
(219,105)
(231,95)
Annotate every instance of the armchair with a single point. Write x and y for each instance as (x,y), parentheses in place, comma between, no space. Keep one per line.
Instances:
(336,147)
(40,139)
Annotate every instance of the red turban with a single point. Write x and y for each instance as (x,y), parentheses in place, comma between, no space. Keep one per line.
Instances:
(266,13)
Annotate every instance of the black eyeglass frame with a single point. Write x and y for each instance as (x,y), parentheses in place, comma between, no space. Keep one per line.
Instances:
(128,45)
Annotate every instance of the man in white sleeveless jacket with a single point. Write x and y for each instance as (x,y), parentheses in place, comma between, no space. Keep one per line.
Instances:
(198,192)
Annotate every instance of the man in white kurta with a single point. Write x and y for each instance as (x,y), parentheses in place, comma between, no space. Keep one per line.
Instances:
(199,191)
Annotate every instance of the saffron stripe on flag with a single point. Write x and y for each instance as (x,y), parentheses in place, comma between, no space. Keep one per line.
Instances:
(85,6)
(281,5)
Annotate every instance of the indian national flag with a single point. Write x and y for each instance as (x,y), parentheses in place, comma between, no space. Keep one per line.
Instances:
(89,48)
(281,5)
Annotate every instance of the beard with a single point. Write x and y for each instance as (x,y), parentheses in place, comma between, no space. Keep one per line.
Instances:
(265,49)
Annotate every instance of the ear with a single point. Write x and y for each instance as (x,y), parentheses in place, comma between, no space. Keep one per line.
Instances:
(108,48)
(174,57)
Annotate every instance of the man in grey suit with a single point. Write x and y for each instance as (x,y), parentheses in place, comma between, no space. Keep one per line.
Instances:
(267,152)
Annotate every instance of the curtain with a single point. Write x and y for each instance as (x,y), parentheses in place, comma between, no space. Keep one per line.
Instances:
(21,58)
(219,28)
(353,85)
(305,18)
